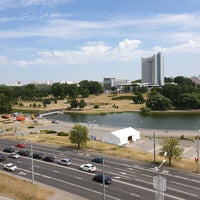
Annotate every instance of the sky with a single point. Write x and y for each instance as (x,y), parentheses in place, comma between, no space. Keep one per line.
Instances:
(75,40)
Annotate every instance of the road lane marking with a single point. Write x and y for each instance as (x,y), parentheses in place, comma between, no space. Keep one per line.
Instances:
(78,178)
(194,195)
(135,195)
(185,185)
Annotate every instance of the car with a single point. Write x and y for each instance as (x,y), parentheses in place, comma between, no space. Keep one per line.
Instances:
(9,150)
(49,158)
(2,157)
(10,167)
(55,122)
(37,155)
(20,145)
(97,160)
(24,152)
(88,167)
(99,178)
(14,155)
(64,161)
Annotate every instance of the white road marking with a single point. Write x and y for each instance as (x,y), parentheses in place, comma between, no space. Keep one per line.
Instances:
(135,195)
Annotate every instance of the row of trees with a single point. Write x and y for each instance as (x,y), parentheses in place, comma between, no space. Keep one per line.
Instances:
(10,95)
(178,93)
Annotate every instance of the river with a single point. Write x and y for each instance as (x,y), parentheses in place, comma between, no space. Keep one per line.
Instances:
(166,121)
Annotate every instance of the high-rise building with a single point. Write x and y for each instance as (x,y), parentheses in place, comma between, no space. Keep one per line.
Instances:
(153,70)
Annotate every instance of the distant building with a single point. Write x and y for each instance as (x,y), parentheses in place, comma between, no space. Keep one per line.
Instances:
(108,83)
(196,79)
(153,70)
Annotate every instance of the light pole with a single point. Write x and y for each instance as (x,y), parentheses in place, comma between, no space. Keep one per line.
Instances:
(197,159)
(32,164)
(92,133)
(104,191)
(159,182)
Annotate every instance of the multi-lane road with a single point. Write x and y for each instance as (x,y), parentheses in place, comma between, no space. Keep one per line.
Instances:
(131,179)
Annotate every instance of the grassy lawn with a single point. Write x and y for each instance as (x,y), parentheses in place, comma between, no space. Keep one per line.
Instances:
(19,189)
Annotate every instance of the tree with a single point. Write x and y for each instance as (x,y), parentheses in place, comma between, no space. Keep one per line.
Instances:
(188,101)
(158,102)
(138,99)
(171,147)
(82,103)
(74,103)
(79,135)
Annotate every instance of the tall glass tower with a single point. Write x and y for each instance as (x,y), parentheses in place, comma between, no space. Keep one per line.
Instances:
(153,70)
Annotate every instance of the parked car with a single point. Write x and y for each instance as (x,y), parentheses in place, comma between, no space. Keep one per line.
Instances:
(14,155)
(21,145)
(88,167)
(10,167)
(2,157)
(99,178)
(37,155)
(49,158)
(97,160)
(9,150)
(64,161)
(24,152)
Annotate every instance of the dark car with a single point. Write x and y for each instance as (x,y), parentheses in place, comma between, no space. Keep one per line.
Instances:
(24,152)
(9,150)
(37,155)
(99,178)
(2,157)
(49,158)
(97,160)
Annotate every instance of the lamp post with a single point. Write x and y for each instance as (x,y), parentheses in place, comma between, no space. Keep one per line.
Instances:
(159,182)
(91,124)
(104,192)
(32,164)
(197,158)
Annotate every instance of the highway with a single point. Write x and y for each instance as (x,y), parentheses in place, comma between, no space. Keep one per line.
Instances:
(131,179)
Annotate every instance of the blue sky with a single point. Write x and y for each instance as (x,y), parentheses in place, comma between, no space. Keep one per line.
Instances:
(75,40)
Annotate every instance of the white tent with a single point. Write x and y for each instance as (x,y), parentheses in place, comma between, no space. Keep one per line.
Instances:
(122,136)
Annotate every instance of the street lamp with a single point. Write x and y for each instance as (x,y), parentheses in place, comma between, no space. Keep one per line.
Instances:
(159,182)
(32,162)
(197,158)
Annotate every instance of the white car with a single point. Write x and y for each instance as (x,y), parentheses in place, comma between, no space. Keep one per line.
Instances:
(64,161)
(88,167)
(10,167)
(14,155)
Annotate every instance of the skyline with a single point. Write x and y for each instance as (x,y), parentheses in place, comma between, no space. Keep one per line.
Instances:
(75,40)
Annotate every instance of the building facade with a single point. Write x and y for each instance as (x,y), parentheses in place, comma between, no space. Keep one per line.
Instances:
(108,83)
(153,70)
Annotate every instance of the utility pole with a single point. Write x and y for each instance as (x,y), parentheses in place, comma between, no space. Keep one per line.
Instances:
(32,165)
(159,182)
(198,152)
(104,192)
(154,147)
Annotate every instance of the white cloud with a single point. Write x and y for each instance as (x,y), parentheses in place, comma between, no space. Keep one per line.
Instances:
(26,3)
(189,47)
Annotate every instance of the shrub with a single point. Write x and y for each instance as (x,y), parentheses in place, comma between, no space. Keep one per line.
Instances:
(62,134)
(31,127)
(96,106)
(51,132)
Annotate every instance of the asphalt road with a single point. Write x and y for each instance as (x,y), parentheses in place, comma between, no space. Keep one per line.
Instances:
(131,180)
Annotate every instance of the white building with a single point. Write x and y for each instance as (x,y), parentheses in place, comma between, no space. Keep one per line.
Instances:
(122,136)
(153,70)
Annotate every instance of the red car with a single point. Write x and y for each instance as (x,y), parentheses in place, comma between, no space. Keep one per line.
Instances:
(20,145)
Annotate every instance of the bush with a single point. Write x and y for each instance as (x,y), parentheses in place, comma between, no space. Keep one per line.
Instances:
(62,134)
(51,132)
(96,106)
(145,110)
(31,127)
